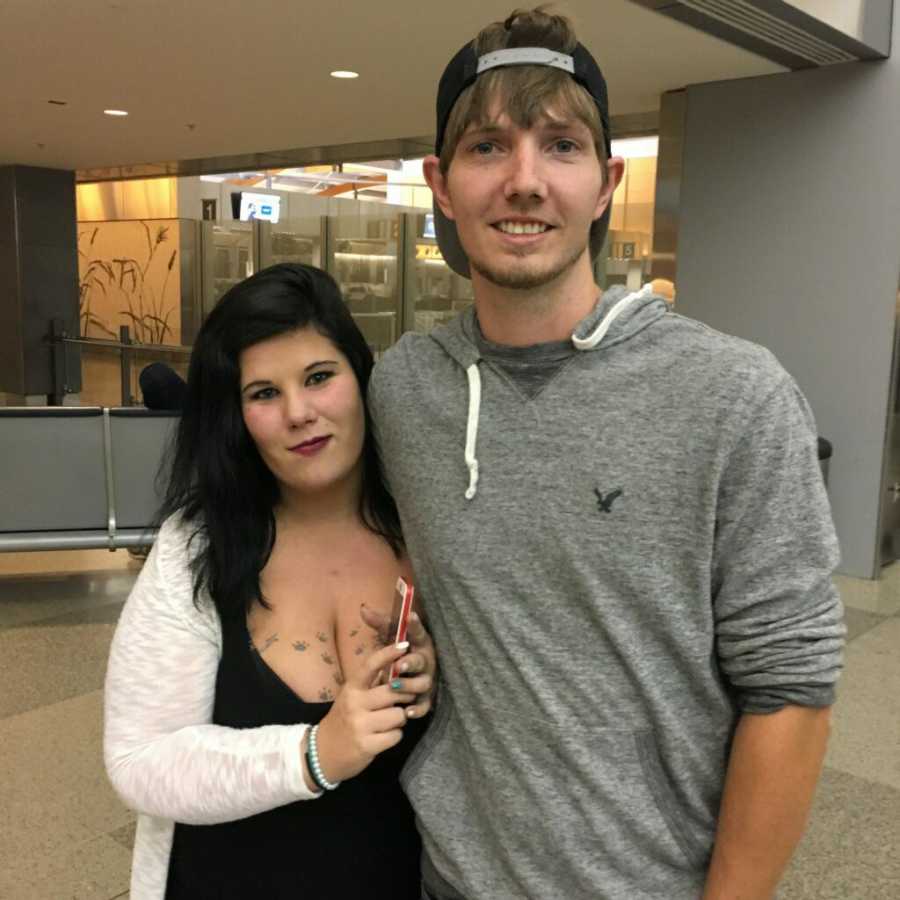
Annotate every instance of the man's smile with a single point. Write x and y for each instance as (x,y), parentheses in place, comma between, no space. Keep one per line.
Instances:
(516,226)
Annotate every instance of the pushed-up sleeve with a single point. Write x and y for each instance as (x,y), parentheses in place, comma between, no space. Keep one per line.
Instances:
(779,619)
(163,755)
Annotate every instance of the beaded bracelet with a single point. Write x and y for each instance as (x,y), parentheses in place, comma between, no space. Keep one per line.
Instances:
(315,767)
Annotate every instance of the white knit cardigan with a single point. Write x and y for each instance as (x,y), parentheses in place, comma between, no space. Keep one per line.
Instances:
(163,756)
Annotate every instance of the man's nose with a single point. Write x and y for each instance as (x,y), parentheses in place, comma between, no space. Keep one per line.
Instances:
(526,179)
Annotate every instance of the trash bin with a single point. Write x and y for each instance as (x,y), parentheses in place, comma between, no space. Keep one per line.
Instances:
(825,450)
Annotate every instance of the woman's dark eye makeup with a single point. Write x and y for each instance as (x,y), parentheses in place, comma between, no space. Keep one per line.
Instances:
(319,377)
(313,379)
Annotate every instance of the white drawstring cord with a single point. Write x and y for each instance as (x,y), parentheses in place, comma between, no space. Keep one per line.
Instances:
(592,340)
(472,428)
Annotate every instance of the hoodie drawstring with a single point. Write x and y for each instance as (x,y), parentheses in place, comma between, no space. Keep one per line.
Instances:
(599,332)
(474,376)
(472,428)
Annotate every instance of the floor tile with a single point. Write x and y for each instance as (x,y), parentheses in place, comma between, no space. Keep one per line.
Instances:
(849,851)
(36,598)
(95,869)
(865,739)
(44,664)
(65,561)
(880,595)
(125,835)
(859,621)
(60,795)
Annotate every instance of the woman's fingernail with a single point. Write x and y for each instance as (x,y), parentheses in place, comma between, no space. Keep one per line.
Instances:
(403,645)
(396,684)
(410,712)
(403,667)
(415,617)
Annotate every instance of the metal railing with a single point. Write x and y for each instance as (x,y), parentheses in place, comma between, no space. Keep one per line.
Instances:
(125,346)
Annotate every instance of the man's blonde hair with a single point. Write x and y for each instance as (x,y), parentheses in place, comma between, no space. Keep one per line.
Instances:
(524,93)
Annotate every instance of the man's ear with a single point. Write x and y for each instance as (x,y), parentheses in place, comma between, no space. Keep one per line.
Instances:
(615,169)
(437,181)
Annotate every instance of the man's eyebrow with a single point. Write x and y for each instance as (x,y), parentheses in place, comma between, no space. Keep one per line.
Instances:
(484,128)
(263,382)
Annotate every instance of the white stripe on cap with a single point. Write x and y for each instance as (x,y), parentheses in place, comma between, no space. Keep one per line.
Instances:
(526,56)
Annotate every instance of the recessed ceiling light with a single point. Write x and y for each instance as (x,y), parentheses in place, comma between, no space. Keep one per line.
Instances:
(115,112)
(343,73)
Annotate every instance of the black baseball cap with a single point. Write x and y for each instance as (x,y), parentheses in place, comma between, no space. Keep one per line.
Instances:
(463,70)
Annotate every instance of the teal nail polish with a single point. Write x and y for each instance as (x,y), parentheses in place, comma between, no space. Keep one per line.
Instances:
(396,684)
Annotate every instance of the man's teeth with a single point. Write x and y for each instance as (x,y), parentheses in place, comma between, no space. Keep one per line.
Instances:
(522,227)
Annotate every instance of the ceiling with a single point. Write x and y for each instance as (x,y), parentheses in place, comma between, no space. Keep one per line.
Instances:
(213,78)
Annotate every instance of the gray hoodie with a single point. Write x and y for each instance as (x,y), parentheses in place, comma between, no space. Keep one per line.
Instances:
(613,570)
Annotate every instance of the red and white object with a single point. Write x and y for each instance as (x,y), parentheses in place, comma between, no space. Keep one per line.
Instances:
(402,607)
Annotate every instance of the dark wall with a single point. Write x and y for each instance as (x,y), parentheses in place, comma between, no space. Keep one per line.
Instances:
(38,275)
(790,237)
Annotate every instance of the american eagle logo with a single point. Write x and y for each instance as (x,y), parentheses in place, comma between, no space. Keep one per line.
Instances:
(604,504)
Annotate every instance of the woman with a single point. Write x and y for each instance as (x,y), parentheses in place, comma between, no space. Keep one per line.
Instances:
(256,617)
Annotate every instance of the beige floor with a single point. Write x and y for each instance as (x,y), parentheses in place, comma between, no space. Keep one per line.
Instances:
(65,836)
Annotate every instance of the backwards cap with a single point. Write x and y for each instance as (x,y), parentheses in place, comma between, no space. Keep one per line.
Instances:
(463,70)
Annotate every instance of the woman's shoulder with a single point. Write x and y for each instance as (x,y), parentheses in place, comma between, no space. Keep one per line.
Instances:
(178,542)
(168,574)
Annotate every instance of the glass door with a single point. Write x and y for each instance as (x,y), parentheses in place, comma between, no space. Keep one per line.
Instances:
(363,253)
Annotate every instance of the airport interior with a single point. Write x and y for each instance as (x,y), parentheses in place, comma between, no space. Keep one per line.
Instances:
(155,154)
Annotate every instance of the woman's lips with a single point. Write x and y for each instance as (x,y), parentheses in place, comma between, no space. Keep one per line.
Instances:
(311,447)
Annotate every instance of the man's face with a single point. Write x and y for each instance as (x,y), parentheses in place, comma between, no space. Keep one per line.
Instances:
(523,200)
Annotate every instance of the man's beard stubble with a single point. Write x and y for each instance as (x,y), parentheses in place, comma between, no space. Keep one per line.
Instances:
(521,277)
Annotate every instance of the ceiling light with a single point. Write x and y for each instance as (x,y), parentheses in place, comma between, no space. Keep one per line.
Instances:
(114,112)
(343,73)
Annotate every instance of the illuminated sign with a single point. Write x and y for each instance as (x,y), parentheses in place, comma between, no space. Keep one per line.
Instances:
(429,251)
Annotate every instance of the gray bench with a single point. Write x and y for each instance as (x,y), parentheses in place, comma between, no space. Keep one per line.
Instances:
(74,478)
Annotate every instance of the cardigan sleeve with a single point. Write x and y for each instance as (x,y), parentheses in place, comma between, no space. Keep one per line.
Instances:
(163,755)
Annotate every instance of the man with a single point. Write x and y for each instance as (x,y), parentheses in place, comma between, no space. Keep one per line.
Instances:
(618,527)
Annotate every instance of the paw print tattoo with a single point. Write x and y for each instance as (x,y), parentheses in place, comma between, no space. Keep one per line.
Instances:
(300,645)
(354,633)
(338,678)
(271,639)
(328,658)
(322,637)
(360,650)
(326,694)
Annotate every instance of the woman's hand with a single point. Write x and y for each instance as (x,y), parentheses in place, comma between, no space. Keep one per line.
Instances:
(365,719)
(418,668)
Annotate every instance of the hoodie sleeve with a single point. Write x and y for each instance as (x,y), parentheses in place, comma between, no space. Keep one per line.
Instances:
(779,619)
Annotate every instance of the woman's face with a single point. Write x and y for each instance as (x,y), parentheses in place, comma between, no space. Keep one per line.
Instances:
(302,406)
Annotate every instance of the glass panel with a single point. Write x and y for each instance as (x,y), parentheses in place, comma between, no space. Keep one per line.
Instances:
(364,263)
(436,292)
(296,240)
(227,258)
(630,242)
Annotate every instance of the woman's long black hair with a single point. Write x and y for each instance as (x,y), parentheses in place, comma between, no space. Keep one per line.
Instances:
(217,480)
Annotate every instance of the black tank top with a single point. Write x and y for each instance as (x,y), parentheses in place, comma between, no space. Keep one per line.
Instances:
(357,841)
